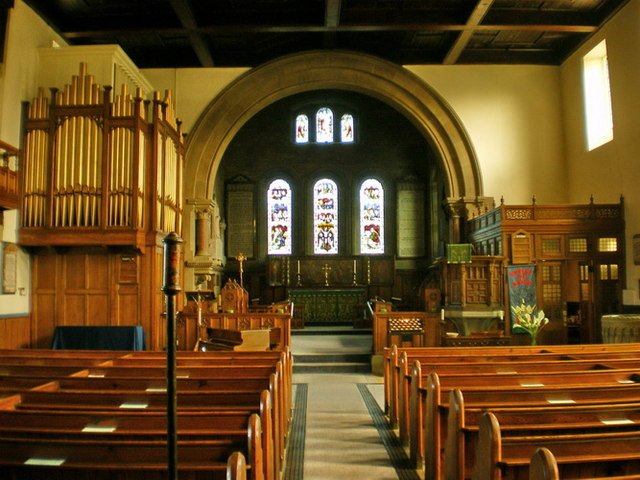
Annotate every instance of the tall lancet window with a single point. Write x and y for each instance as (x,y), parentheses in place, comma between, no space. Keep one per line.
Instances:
(302,129)
(346,128)
(325,217)
(324,125)
(371,217)
(279,218)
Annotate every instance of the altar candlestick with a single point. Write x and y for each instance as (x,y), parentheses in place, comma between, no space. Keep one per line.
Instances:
(355,271)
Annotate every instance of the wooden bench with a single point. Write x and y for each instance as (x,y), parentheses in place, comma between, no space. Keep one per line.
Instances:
(493,355)
(410,413)
(95,426)
(488,398)
(578,455)
(463,425)
(524,371)
(82,459)
(208,382)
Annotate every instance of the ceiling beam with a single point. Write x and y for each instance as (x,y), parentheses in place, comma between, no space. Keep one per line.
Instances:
(188,21)
(478,13)
(246,29)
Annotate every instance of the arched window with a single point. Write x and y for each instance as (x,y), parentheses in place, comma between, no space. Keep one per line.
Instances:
(371,217)
(324,125)
(279,218)
(346,128)
(302,129)
(325,217)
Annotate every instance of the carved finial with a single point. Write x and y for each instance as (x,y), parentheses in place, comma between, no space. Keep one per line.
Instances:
(591,199)
(501,200)
(533,199)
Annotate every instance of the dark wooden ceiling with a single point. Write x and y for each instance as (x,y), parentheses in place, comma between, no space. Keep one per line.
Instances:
(246,33)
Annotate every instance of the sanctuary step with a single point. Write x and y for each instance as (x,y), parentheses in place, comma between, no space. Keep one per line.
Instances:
(345,363)
(331,350)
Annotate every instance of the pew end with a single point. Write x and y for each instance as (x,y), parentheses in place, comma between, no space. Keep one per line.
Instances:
(543,465)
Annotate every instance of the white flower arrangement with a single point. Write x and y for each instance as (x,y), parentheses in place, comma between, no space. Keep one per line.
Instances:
(526,320)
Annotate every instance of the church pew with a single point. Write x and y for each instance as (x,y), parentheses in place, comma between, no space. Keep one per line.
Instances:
(431,433)
(280,390)
(238,394)
(492,355)
(50,357)
(411,411)
(119,424)
(525,368)
(463,425)
(543,466)
(579,455)
(200,365)
(207,377)
(122,459)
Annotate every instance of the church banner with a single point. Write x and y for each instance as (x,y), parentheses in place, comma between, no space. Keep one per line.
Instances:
(522,285)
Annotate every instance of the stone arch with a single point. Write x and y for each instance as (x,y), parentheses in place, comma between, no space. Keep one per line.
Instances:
(388,82)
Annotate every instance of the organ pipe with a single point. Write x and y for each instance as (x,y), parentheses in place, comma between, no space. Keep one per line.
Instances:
(87,157)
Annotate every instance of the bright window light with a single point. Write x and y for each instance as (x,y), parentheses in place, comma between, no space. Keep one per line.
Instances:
(597,97)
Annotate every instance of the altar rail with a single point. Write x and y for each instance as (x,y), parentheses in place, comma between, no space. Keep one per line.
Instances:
(188,331)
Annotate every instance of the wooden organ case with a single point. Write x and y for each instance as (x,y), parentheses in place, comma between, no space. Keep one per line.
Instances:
(101,186)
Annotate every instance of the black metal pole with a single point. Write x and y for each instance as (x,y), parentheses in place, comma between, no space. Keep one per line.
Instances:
(171,287)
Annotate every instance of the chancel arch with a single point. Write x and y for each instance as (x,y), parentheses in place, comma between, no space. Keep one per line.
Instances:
(343,71)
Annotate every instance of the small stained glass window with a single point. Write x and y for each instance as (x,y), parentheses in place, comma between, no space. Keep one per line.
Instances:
(371,217)
(550,245)
(578,245)
(325,217)
(604,272)
(346,128)
(302,129)
(607,244)
(324,126)
(279,218)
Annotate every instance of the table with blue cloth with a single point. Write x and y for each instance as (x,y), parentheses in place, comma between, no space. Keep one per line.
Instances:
(98,338)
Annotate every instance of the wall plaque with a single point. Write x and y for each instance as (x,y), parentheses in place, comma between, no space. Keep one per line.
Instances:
(240,219)
(410,221)
(9,268)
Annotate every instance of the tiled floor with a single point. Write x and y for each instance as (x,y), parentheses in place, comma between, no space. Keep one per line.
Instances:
(340,419)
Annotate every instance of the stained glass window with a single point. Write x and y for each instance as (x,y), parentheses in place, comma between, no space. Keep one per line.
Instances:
(371,217)
(324,125)
(325,217)
(279,218)
(346,128)
(302,129)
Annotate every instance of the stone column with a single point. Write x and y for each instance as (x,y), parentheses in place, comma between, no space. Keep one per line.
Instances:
(203,260)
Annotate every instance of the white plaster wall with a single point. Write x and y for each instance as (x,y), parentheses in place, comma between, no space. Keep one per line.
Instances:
(513,116)
(612,170)
(194,88)
(26,32)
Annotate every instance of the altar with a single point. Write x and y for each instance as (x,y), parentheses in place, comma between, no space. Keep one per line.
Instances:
(329,306)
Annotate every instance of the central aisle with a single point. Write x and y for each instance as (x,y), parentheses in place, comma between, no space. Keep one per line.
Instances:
(339,430)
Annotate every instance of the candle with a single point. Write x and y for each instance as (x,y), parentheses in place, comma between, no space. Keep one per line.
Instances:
(354,265)
(442,314)
(298,263)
